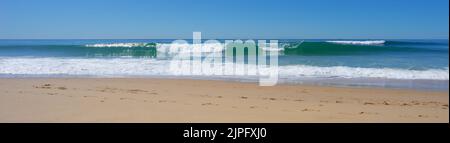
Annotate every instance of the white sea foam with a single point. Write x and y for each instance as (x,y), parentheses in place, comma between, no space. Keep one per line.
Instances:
(70,66)
(188,48)
(375,42)
(125,45)
(172,48)
(355,72)
(273,49)
(152,67)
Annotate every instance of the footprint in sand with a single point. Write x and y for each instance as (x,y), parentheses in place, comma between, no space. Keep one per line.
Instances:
(273,99)
(369,103)
(210,96)
(309,110)
(123,98)
(62,88)
(204,95)
(49,86)
(368,113)
(422,116)
(415,102)
(153,93)
(405,104)
(207,96)
(205,104)
(45,86)
(304,91)
(445,106)
(244,97)
(167,101)
(136,91)
(86,96)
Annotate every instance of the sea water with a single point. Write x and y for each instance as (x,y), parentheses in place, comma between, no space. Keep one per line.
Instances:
(417,64)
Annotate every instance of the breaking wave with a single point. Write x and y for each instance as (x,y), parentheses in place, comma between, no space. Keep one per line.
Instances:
(376,42)
(152,67)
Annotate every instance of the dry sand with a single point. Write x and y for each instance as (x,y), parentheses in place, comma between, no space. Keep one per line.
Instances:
(164,100)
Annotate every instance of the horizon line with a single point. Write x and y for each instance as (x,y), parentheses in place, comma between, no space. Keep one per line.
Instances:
(223,38)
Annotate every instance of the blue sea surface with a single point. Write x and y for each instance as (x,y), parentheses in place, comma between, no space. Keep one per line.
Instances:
(420,64)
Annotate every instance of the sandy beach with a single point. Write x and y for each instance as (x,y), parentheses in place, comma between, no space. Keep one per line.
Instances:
(170,100)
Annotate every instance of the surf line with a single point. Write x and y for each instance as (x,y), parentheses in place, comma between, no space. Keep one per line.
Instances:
(194,133)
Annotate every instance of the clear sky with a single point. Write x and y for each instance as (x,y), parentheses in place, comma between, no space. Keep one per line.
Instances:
(150,19)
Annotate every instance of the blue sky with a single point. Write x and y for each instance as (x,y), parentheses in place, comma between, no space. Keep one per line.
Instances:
(149,19)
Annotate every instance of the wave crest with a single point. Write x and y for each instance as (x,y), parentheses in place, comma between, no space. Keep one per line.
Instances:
(125,45)
(375,42)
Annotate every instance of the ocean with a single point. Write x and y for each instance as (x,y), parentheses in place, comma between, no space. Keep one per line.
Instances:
(416,64)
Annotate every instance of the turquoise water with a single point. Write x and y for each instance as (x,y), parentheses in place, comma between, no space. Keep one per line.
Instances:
(392,54)
(396,63)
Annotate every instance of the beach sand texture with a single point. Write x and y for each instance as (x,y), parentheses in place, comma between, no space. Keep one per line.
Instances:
(175,100)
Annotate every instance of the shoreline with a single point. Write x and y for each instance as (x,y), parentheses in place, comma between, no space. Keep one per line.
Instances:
(187,100)
(400,84)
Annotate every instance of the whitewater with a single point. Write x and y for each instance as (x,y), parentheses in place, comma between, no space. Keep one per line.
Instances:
(377,62)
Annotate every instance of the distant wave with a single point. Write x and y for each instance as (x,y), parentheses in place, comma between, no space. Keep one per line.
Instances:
(151,49)
(350,48)
(415,43)
(167,47)
(376,42)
